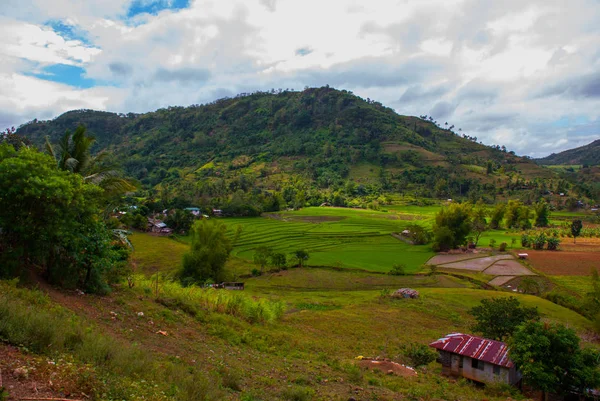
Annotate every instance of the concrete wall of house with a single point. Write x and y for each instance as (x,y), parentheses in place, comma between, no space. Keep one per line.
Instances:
(452,365)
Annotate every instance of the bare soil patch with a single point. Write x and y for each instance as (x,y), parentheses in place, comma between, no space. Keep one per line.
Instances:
(583,244)
(478,264)
(501,280)
(388,367)
(564,263)
(444,258)
(508,268)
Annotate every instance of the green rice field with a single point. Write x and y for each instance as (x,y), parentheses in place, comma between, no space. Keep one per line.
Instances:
(346,238)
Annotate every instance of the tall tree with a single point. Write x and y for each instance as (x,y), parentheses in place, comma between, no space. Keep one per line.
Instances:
(73,153)
(542,213)
(209,251)
(576,227)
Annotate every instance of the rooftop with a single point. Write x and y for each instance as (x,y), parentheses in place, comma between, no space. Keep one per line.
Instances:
(483,349)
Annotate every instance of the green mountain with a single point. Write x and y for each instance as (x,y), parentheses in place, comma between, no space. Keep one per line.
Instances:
(587,155)
(320,142)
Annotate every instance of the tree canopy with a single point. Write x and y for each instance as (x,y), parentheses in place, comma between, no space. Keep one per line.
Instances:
(50,217)
(498,318)
(551,360)
(209,251)
(452,226)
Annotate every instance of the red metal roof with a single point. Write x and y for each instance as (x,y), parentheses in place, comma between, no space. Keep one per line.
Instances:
(494,352)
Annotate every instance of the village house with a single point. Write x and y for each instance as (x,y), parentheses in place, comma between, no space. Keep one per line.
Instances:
(158,226)
(193,210)
(475,358)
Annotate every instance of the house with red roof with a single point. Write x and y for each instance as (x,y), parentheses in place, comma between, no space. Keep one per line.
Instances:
(476,358)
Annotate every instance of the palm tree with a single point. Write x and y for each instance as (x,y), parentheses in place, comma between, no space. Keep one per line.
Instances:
(72,153)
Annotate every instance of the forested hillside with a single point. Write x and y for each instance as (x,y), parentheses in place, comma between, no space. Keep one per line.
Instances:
(586,155)
(270,149)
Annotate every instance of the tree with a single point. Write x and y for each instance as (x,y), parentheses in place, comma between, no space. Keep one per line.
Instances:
(73,153)
(498,318)
(418,234)
(497,216)
(278,260)
(419,354)
(479,223)
(262,255)
(209,251)
(180,220)
(301,256)
(50,218)
(542,213)
(551,360)
(452,225)
(576,227)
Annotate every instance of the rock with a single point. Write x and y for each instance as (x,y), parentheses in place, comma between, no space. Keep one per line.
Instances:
(21,373)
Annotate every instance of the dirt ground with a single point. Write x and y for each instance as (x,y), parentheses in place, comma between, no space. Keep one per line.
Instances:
(508,268)
(501,280)
(27,376)
(564,263)
(582,244)
(388,367)
(442,259)
(478,264)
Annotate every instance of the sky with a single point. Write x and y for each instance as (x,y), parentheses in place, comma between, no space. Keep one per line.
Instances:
(519,73)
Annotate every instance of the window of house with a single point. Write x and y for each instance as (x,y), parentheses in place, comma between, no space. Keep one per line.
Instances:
(477,364)
(496,369)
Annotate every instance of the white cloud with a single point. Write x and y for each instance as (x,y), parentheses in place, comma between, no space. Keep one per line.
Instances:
(503,71)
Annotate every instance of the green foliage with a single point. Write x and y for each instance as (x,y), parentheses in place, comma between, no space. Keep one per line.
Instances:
(452,226)
(179,220)
(497,216)
(498,318)
(419,354)
(576,227)
(301,256)
(551,360)
(525,240)
(210,248)
(502,247)
(553,243)
(529,285)
(492,243)
(398,269)
(542,214)
(262,254)
(539,241)
(50,217)
(278,260)
(418,234)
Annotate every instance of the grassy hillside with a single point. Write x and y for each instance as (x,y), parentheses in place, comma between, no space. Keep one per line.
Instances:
(318,141)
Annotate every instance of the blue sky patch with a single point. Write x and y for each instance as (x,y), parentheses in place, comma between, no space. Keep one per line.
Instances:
(68,32)
(155,6)
(65,74)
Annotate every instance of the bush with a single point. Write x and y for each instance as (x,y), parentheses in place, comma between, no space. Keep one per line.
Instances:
(492,243)
(553,243)
(502,247)
(525,241)
(539,241)
(398,269)
(419,354)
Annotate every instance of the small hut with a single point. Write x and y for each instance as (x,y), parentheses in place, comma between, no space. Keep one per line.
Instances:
(406,293)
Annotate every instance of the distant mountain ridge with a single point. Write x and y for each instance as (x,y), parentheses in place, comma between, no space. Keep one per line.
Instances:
(585,155)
